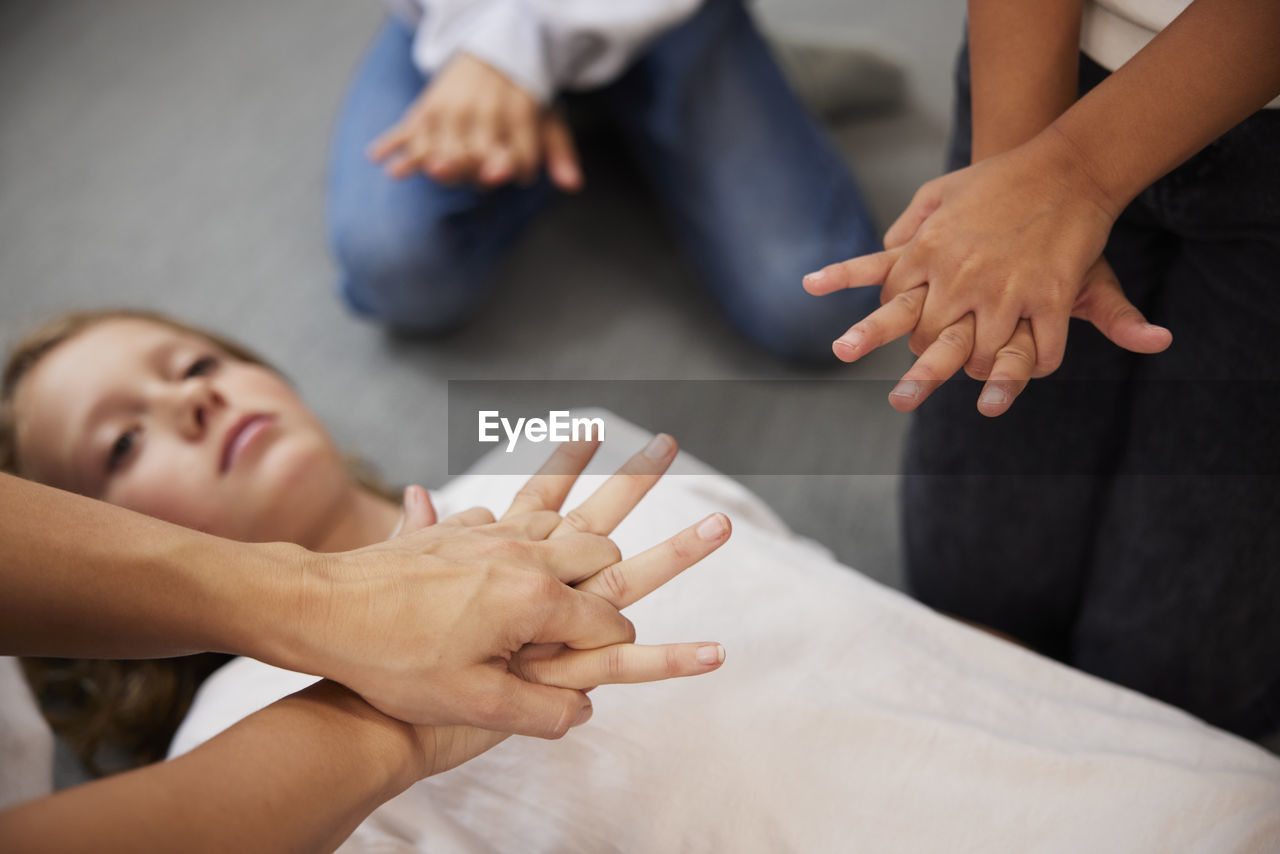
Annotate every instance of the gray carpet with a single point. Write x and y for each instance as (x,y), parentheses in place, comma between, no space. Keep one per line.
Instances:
(171,155)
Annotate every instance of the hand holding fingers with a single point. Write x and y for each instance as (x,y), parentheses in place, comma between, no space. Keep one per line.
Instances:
(891,321)
(618,496)
(937,363)
(550,485)
(577,557)
(496,699)
(1014,366)
(624,663)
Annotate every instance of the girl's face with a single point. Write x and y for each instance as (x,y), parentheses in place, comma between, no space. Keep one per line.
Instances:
(164,422)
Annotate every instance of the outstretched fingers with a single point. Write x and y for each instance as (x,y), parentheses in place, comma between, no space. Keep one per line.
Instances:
(1015,363)
(629,581)
(939,361)
(887,323)
(618,496)
(861,272)
(549,486)
(623,663)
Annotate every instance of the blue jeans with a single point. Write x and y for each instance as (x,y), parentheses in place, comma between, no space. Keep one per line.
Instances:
(756,195)
(1123,515)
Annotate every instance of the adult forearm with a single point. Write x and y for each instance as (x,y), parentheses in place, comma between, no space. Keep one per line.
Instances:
(297,776)
(84,578)
(1213,66)
(1023,63)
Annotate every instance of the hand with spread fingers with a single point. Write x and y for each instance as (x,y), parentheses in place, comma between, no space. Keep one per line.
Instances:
(474,125)
(515,648)
(983,271)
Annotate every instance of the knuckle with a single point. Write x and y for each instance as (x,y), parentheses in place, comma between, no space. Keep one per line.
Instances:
(615,663)
(578,520)
(1016,353)
(671,662)
(954,338)
(615,583)
(489,710)
(531,494)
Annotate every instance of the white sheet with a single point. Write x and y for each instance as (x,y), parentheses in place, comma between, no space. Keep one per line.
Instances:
(846,717)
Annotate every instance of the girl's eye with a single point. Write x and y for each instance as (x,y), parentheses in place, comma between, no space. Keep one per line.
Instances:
(121,449)
(200,367)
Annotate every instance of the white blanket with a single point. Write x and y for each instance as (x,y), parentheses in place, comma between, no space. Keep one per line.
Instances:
(846,718)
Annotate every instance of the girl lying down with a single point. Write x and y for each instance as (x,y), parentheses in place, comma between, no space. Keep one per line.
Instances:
(847,717)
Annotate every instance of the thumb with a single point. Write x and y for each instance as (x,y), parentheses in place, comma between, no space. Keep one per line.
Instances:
(926,200)
(419,512)
(561,153)
(1102,302)
(525,708)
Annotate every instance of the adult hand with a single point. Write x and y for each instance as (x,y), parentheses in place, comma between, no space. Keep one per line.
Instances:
(1017,237)
(489,589)
(473,124)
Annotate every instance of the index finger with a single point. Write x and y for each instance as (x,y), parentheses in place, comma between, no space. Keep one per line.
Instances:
(550,485)
(862,272)
(619,495)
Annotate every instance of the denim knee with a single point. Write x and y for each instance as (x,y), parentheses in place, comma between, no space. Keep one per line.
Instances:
(794,325)
(419,283)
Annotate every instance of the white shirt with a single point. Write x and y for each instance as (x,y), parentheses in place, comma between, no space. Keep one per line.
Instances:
(846,717)
(543,45)
(1113,31)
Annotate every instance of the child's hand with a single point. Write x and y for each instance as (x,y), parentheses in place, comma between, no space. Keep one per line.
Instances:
(474,125)
(984,269)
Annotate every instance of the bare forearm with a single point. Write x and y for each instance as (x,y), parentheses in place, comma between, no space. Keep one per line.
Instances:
(296,776)
(1212,67)
(83,578)
(1023,61)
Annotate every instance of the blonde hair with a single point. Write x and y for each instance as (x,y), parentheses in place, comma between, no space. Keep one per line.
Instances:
(116,714)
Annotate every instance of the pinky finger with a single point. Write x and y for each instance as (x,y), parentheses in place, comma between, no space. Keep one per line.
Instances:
(1014,364)
(619,664)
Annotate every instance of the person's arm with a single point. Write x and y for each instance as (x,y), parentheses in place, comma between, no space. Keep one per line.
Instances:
(414,624)
(1023,69)
(1008,249)
(297,776)
(84,578)
(1213,66)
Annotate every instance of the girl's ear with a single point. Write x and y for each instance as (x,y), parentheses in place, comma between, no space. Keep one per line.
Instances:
(419,512)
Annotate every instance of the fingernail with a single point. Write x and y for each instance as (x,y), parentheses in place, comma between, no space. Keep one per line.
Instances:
(993,395)
(907,391)
(658,447)
(711,653)
(712,528)
(584,715)
(848,345)
(815,278)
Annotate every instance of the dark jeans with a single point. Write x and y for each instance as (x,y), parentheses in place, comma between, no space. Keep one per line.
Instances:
(1125,515)
(756,194)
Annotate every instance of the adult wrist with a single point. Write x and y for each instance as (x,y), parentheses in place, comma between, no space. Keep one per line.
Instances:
(263,595)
